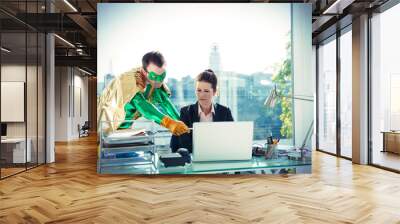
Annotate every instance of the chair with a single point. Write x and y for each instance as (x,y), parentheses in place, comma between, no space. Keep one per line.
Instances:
(84,130)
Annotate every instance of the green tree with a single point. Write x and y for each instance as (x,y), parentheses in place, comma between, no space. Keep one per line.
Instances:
(283,81)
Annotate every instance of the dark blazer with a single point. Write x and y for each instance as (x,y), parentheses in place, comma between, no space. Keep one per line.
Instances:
(190,115)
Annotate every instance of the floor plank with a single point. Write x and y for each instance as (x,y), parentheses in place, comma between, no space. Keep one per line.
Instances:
(386,159)
(70,191)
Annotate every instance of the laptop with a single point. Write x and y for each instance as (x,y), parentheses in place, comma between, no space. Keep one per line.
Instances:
(222,141)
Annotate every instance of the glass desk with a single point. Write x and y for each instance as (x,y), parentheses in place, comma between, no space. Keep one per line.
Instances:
(255,165)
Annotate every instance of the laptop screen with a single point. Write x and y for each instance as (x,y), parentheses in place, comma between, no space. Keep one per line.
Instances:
(222,141)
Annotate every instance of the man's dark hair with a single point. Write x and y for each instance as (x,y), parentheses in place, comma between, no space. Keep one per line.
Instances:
(154,57)
(208,76)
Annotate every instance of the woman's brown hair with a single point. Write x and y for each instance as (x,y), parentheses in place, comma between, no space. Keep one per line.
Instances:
(208,76)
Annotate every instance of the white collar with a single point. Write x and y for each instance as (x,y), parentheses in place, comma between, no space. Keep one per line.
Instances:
(201,111)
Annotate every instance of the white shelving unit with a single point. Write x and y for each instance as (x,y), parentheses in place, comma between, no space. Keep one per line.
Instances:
(120,150)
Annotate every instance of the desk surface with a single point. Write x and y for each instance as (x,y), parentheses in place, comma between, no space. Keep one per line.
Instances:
(127,166)
(13,140)
(390,132)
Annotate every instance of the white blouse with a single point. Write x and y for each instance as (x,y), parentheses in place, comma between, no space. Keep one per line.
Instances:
(208,117)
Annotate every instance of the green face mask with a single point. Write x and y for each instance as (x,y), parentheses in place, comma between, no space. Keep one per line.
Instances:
(158,78)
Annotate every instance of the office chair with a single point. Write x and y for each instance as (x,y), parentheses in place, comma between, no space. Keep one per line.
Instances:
(84,130)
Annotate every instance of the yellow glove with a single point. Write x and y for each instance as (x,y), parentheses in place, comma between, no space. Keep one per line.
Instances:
(176,127)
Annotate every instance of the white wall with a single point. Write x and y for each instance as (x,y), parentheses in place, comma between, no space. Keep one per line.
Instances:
(79,117)
(61,103)
(10,73)
(16,73)
(71,102)
(33,126)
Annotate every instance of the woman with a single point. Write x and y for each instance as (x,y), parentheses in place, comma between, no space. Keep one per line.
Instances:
(204,110)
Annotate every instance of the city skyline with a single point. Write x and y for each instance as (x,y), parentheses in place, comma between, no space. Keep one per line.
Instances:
(242,93)
(214,63)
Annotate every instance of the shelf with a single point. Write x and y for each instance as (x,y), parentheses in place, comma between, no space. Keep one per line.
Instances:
(139,160)
(125,141)
(128,169)
(142,148)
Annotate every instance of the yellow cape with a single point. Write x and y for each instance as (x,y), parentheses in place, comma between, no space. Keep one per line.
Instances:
(110,106)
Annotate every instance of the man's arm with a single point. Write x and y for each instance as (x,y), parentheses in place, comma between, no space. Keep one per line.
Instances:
(150,112)
(147,109)
(130,111)
(168,107)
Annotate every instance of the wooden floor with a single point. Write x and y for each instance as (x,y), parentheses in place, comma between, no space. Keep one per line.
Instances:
(386,159)
(70,191)
(5,172)
(10,171)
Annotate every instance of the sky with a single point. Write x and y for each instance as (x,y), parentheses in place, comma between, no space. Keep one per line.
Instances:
(251,37)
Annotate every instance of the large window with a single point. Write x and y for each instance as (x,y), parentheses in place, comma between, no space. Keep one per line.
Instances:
(335,137)
(385,88)
(346,93)
(22,92)
(327,95)
(248,64)
(245,95)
